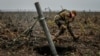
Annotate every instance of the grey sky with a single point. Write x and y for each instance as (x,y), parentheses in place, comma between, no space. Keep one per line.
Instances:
(93,5)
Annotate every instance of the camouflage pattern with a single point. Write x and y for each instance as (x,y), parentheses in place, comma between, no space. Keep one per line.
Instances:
(63,15)
(62,20)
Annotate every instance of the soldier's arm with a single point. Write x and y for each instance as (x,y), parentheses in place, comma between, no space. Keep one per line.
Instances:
(71,19)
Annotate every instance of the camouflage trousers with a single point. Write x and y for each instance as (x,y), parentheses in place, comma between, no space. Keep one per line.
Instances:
(62,28)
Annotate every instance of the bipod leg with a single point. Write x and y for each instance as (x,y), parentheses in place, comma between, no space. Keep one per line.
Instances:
(29,31)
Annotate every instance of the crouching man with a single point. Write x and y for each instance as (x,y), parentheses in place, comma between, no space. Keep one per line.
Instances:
(63,20)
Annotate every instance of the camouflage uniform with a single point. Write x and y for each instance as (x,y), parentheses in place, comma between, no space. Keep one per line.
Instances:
(62,20)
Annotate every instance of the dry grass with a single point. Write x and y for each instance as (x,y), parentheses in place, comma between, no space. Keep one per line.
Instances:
(12,24)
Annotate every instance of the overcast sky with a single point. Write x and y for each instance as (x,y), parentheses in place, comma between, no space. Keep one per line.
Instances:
(93,5)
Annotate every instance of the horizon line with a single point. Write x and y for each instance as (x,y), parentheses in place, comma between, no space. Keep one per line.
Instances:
(30,10)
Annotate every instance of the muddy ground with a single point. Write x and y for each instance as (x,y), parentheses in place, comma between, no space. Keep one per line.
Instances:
(14,42)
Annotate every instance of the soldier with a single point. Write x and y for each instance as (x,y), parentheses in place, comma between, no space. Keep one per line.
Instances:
(63,20)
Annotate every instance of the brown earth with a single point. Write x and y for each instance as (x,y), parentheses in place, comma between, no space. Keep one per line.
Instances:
(13,24)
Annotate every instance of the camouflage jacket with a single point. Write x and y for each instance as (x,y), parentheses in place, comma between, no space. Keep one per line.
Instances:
(63,16)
